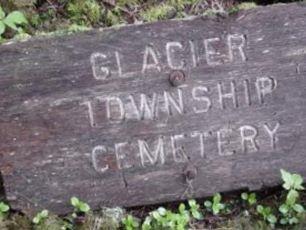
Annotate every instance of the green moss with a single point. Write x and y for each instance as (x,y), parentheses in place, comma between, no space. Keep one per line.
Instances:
(112,17)
(159,12)
(209,13)
(246,5)
(84,12)
(23,3)
(128,3)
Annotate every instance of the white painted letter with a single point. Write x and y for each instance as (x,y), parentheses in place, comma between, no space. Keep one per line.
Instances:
(149,52)
(178,152)
(264,86)
(272,134)
(193,54)
(117,55)
(250,137)
(98,150)
(206,100)
(121,156)
(221,134)
(114,101)
(146,109)
(97,61)
(201,137)
(169,50)
(231,95)
(178,105)
(236,42)
(145,152)
(90,113)
(211,52)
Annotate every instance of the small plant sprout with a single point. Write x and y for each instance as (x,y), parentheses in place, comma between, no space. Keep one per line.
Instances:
(291,210)
(266,214)
(195,210)
(166,219)
(40,217)
(292,181)
(12,20)
(4,208)
(130,223)
(80,207)
(215,206)
(249,198)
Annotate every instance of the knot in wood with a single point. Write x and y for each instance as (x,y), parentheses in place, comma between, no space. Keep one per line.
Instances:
(190,173)
(177,77)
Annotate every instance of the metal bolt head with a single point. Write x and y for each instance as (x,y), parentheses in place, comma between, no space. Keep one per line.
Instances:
(177,77)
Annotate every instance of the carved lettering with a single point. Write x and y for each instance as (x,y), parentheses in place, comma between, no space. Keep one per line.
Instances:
(236,43)
(170,46)
(222,141)
(203,99)
(146,109)
(248,138)
(121,155)
(272,134)
(178,152)
(265,86)
(100,72)
(98,150)
(171,102)
(147,155)
(150,54)
(231,95)
(114,109)
(211,52)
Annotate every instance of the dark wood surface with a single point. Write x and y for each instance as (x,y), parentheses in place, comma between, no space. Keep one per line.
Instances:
(94,114)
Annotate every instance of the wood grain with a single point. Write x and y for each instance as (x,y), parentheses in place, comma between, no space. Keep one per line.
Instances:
(94,115)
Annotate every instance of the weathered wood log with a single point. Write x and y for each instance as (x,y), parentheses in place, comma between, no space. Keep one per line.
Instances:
(156,112)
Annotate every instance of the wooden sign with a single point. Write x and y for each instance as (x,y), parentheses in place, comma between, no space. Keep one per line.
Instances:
(156,112)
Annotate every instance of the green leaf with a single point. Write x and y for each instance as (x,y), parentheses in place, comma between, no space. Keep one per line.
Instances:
(286,176)
(215,209)
(252,199)
(292,181)
(244,196)
(36,220)
(15,18)
(192,203)
(260,209)
(44,213)
(283,221)
(4,207)
(298,208)
(217,198)
(2,28)
(74,201)
(207,204)
(182,208)
(293,220)
(156,215)
(292,197)
(272,219)
(162,211)
(284,209)
(2,14)
(297,182)
(84,207)
(197,215)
